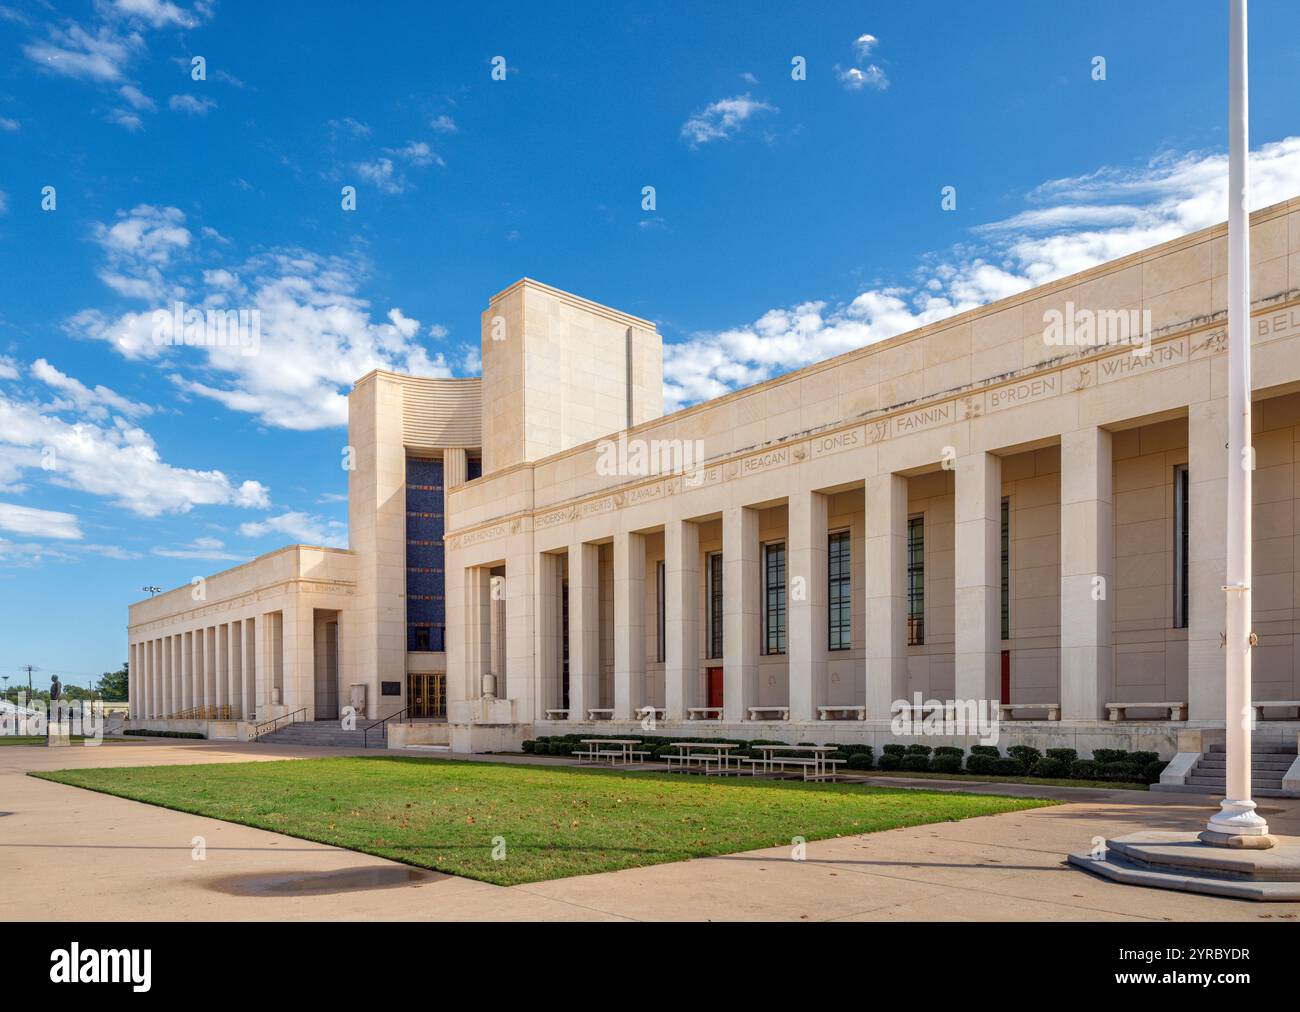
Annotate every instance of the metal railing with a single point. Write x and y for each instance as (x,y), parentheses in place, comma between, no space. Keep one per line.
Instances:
(365,733)
(208,712)
(267,726)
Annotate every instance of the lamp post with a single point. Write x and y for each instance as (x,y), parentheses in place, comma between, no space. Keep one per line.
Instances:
(1237,821)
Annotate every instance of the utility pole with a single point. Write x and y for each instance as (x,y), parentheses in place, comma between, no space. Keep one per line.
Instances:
(1237,817)
(29,668)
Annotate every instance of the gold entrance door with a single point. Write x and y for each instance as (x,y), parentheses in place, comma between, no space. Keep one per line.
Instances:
(426,694)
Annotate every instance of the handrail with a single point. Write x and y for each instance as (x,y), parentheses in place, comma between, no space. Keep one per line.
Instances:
(365,731)
(267,726)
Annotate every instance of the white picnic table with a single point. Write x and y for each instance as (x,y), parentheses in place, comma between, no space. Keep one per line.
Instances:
(820,766)
(623,754)
(696,750)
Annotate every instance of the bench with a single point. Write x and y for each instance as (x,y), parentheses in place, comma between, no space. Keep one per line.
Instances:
(1119,711)
(859,712)
(657,712)
(808,766)
(1280,704)
(780,712)
(704,713)
(612,756)
(557,714)
(1053,709)
(707,761)
(604,713)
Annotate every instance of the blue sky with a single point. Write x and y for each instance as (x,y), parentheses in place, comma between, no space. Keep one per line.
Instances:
(793,220)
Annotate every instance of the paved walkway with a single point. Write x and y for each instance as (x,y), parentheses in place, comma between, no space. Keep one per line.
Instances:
(69,854)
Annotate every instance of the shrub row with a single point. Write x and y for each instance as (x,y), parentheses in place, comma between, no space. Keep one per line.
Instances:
(146,733)
(1114,765)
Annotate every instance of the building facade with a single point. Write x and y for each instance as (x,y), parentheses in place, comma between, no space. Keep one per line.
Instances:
(1023,504)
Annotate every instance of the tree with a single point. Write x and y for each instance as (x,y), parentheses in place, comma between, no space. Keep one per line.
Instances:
(113,684)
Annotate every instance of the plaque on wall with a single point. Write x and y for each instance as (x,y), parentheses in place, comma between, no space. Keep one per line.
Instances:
(390,688)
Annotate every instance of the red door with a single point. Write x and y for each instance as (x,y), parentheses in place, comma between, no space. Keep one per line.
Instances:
(715,686)
(1006,676)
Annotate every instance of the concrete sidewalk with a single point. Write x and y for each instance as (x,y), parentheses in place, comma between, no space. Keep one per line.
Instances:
(70,854)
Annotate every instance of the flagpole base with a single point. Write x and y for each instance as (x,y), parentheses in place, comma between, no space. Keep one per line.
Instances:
(1237,825)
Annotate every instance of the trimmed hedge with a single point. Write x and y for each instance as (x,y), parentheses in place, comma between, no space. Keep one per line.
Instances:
(916,762)
(147,733)
(1027,754)
(946,763)
(1063,755)
(860,761)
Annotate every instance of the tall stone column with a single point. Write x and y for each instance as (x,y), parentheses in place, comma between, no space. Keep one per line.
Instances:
(187,670)
(584,629)
(455,467)
(1207,562)
(550,658)
(629,624)
(806,603)
(222,668)
(148,679)
(200,669)
(171,678)
(886,593)
(978,654)
(250,667)
(237,670)
(1087,555)
(178,671)
(741,604)
(681,617)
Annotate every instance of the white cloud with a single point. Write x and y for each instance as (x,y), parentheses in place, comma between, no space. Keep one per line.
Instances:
(95,404)
(865,74)
(317,333)
(380,173)
(443,124)
(111,458)
(417,153)
(1071,225)
(722,119)
(73,51)
(211,549)
(162,13)
(138,246)
(125,118)
(349,125)
(136,98)
(303,528)
(192,105)
(9,125)
(36,523)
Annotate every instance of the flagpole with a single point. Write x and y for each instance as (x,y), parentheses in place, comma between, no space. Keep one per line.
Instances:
(1237,818)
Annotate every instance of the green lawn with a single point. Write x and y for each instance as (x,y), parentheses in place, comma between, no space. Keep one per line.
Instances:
(556,821)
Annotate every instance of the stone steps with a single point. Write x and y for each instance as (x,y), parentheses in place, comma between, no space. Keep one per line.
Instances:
(1268,765)
(325,733)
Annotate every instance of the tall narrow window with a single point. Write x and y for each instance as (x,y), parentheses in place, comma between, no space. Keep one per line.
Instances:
(839,592)
(1006,569)
(916,580)
(661,584)
(715,605)
(774,598)
(1182,534)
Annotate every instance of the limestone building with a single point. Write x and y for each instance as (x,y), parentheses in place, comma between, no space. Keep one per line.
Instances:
(1022,504)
